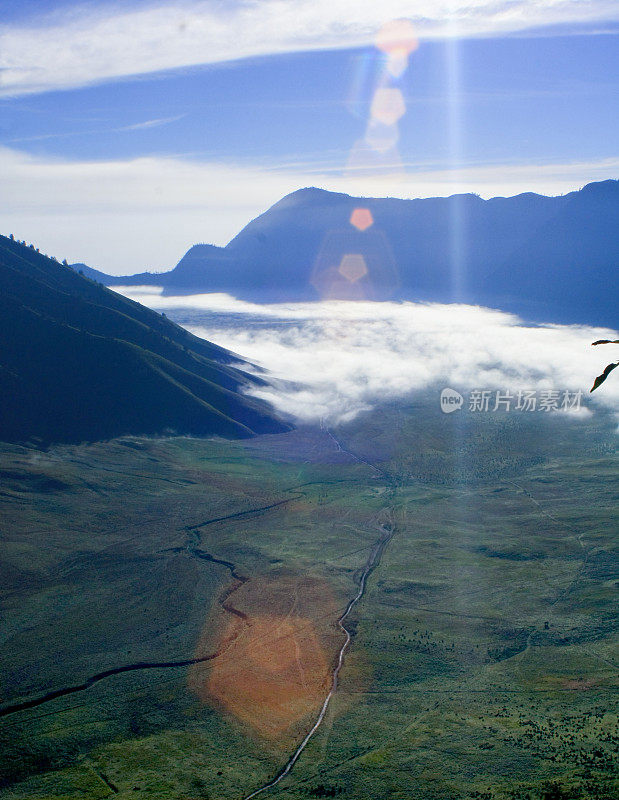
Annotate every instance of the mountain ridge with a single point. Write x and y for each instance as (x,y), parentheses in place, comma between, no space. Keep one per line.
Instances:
(79,362)
(520,253)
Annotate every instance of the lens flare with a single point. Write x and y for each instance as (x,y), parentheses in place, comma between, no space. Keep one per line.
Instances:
(397,36)
(332,285)
(397,40)
(382,137)
(397,64)
(363,82)
(378,150)
(273,651)
(361,219)
(353,267)
(275,677)
(388,105)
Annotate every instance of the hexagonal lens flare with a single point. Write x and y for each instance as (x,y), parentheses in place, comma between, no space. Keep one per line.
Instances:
(397,64)
(353,267)
(378,150)
(388,105)
(361,219)
(381,137)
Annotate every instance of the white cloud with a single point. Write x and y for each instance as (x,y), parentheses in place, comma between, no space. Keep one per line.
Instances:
(151,123)
(128,216)
(86,46)
(347,357)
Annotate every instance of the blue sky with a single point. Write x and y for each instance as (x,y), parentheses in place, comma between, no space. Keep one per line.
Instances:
(129,131)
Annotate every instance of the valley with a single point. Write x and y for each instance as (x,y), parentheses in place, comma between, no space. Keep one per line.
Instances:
(194,594)
(309,400)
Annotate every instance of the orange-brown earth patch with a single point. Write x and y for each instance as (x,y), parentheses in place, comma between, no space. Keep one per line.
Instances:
(275,663)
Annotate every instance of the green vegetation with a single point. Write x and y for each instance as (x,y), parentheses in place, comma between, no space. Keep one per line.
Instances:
(80,363)
(483,660)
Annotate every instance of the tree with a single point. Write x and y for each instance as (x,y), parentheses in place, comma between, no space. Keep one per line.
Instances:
(601,378)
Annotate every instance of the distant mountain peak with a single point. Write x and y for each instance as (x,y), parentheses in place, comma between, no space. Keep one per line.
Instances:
(201,250)
(309,195)
(608,188)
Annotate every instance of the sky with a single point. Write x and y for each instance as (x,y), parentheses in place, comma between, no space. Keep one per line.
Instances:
(131,130)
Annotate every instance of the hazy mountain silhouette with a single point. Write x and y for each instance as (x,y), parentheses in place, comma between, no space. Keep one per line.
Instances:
(80,362)
(547,258)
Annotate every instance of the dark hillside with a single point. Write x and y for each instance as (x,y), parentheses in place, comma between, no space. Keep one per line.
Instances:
(79,362)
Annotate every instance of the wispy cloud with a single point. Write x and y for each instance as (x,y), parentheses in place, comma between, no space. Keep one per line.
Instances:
(125,216)
(87,45)
(138,126)
(151,123)
(348,357)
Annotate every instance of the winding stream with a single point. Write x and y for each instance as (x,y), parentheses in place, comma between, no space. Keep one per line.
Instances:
(192,546)
(387,532)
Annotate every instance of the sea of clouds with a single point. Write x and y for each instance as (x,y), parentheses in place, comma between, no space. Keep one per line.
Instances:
(331,360)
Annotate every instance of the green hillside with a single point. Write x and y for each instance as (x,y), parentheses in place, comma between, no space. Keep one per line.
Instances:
(79,362)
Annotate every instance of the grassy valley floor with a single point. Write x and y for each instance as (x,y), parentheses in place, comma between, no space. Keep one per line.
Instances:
(170,613)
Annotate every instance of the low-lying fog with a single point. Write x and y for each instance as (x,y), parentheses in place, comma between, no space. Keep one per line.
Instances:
(341,357)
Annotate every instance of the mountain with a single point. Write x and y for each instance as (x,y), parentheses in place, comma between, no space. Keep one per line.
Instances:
(549,259)
(569,263)
(79,362)
(101,277)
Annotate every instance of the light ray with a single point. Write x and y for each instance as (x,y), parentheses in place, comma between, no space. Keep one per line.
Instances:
(457,222)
